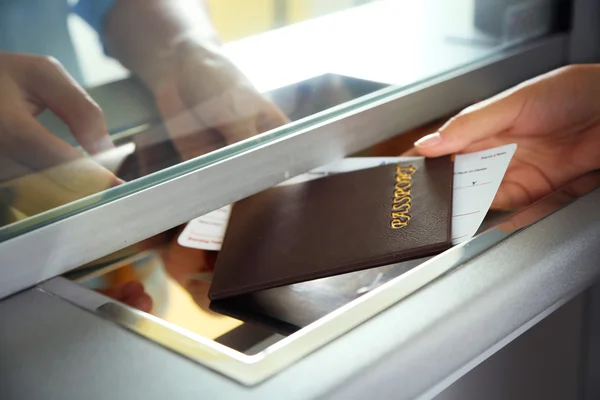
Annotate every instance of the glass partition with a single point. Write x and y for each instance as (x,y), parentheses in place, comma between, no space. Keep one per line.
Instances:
(184,84)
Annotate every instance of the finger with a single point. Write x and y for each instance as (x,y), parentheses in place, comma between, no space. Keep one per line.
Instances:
(11,168)
(183,262)
(584,184)
(539,210)
(113,293)
(472,148)
(510,196)
(117,159)
(553,202)
(132,288)
(404,141)
(211,259)
(7,212)
(233,118)
(513,194)
(239,130)
(233,112)
(522,185)
(54,88)
(25,140)
(410,153)
(122,291)
(43,171)
(178,119)
(41,191)
(131,293)
(134,295)
(486,144)
(27,143)
(80,177)
(271,118)
(198,143)
(143,302)
(529,215)
(152,151)
(475,123)
(190,136)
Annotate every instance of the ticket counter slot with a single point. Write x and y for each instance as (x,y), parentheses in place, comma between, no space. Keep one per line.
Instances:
(288,309)
(251,348)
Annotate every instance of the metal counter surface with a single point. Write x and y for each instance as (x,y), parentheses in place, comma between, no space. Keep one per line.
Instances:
(53,350)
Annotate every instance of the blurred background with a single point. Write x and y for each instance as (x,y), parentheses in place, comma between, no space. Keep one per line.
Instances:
(233,19)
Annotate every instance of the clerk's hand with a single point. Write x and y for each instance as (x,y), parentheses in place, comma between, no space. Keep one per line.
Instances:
(131,293)
(42,170)
(206,102)
(191,268)
(555,121)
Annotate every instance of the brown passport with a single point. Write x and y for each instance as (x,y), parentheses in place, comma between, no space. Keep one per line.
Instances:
(337,224)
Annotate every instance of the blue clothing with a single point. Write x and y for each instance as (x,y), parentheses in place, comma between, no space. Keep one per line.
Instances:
(94,12)
(40,27)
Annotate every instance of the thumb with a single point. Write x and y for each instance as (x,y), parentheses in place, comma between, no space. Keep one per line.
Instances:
(475,123)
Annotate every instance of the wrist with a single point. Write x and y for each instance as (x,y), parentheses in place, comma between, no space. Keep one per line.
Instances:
(187,56)
(146,36)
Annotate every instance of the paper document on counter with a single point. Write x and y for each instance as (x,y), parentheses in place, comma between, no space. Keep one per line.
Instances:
(477,177)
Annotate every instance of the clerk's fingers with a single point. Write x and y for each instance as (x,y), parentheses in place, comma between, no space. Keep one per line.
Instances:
(232,119)
(37,192)
(50,86)
(236,110)
(44,171)
(267,117)
(190,137)
(264,117)
(25,141)
(270,118)
(476,123)
(131,293)
(237,131)
(183,263)
(551,203)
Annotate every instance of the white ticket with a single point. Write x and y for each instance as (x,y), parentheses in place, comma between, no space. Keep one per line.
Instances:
(477,177)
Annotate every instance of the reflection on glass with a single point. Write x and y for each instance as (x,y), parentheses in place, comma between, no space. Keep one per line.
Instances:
(172,284)
(178,79)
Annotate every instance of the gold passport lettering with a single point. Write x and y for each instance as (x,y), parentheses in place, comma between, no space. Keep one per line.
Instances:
(401,203)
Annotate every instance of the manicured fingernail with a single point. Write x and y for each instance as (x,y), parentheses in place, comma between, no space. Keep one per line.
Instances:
(430,140)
